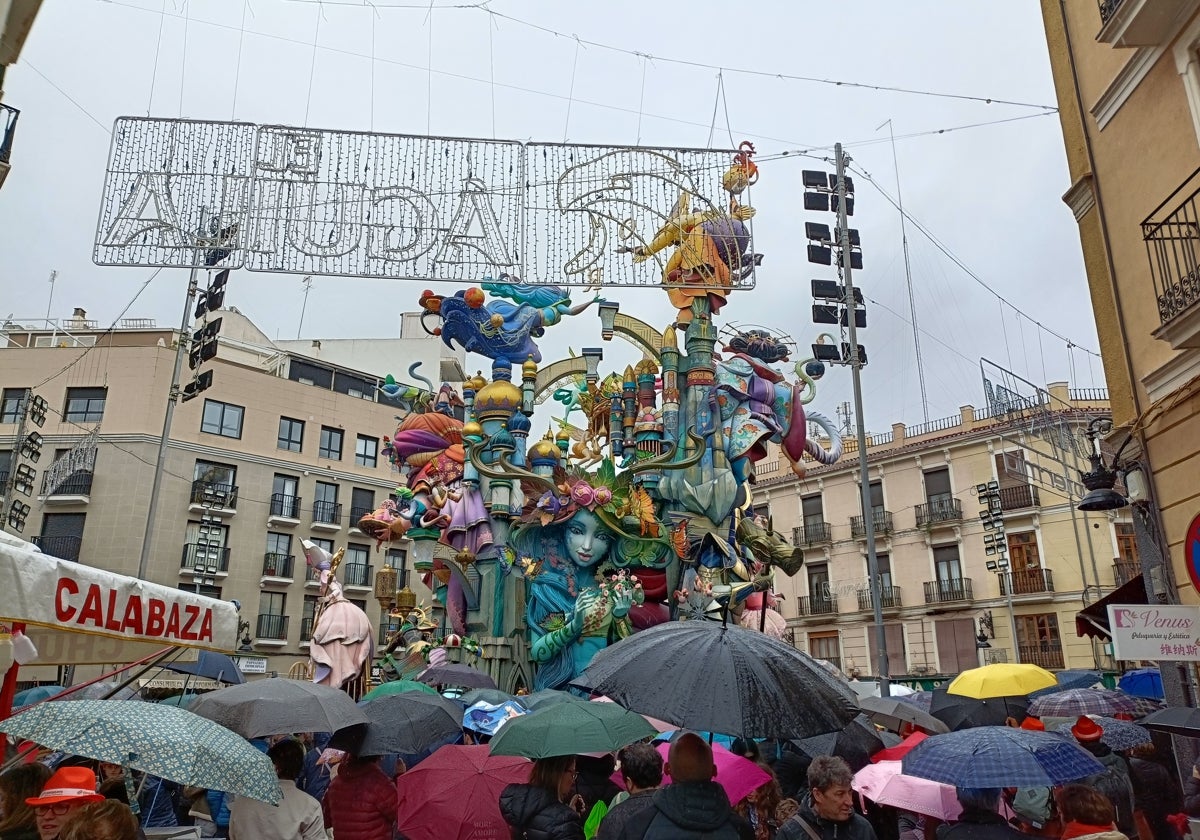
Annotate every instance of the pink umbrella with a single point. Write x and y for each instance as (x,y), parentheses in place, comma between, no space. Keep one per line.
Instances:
(660,725)
(885,784)
(739,776)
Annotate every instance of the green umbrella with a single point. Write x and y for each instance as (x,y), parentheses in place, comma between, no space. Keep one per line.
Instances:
(163,741)
(546,698)
(397,687)
(570,728)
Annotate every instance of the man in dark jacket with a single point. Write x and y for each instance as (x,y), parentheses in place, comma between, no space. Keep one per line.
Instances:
(641,768)
(693,806)
(980,819)
(827,812)
(1155,791)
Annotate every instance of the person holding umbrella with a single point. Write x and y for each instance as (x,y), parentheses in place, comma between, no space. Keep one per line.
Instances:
(536,811)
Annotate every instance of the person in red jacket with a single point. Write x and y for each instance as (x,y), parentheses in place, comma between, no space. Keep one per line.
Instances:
(360,803)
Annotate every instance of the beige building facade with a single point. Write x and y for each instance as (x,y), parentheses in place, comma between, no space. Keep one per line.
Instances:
(284,446)
(938,593)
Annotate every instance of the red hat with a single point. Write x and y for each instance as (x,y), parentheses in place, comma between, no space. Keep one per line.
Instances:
(1086,729)
(1033,724)
(68,784)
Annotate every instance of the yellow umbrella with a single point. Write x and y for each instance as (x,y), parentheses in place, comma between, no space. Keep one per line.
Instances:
(1001,680)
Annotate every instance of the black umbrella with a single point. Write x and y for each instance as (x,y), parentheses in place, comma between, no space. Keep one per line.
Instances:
(491,696)
(892,713)
(710,677)
(401,723)
(279,706)
(960,712)
(856,743)
(463,676)
(920,699)
(211,665)
(1177,720)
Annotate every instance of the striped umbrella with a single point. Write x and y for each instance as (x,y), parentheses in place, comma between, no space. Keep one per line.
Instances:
(1082,701)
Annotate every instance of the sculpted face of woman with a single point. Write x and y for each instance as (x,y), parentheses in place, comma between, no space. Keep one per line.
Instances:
(587,540)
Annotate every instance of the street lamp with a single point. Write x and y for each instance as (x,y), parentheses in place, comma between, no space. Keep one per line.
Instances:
(1100,479)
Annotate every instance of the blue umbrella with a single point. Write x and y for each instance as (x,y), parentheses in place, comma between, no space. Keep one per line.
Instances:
(1144,682)
(36,695)
(211,665)
(998,757)
(1072,678)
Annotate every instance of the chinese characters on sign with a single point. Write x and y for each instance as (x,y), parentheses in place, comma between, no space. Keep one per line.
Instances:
(1154,632)
(311,201)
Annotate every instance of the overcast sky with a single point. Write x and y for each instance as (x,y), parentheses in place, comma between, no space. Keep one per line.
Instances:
(991,194)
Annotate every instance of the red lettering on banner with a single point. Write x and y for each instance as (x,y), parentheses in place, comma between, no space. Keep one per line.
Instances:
(154,622)
(63,611)
(192,612)
(111,622)
(92,612)
(173,622)
(133,615)
(206,627)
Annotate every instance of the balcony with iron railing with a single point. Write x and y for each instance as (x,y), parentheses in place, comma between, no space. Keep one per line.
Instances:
(942,509)
(889,599)
(3,481)
(817,605)
(357,513)
(200,557)
(1125,571)
(1108,8)
(1142,23)
(1019,497)
(210,495)
(1045,655)
(882,519)
(948,590)
(357,575)
(1172,235)
(306,628)
(75,488)
(386,629)
(278,566)
(285,510)
(271,628)
(326,516)
(811,533)
(1027,582)
(64,547)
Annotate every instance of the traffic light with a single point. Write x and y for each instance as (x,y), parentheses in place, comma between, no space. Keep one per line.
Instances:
(204,344)
(201,383)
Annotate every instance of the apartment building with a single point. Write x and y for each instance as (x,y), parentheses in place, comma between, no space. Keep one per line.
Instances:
(285,445)
(940,585)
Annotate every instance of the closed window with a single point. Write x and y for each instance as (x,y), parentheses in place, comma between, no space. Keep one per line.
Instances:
(818,583)
(85,405)
(202,589)
(937,486)
(222,419)
(5,465)
(825,646)
(12,403)
(291,434)
(884,563)
(875,491)
(325,493)
(1023,551)
(1126,543)
(280,544)
(362,502)
(366,451)
(272,603)
(62,535)
(331,443)
(813,510)
(945,558)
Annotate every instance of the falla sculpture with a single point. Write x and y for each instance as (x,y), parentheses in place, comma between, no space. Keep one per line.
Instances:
(639,508)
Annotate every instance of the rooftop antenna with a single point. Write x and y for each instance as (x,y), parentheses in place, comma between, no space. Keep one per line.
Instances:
(50,302)
(307,283)
(912,302)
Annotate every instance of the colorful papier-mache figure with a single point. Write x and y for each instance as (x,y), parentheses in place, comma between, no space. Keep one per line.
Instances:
(342,641)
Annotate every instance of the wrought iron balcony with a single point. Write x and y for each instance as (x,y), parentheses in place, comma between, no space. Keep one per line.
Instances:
(64,548)
(306,628)
(277,565)
(386,629)
(1125,571)
(285,506)
(1045,655)
(1108,8)
(327,513)
(76,484)
(357,574)
(271,626)
(1172,234)
(945,591)
(210,494)
(939,509)
(8,131)
(1018,497)
(357,513)
(204,557)
(882,519)
(3,481)
(889,598)
(811,533)
(1026,582)
(811,605)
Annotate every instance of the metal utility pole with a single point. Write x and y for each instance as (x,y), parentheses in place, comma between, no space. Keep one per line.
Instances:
(181,349)
(855,362)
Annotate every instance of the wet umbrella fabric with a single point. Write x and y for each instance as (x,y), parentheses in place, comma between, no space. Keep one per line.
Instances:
(1082,701)
(920,699)
(279,707)
(491,696)
(397,687)
(1002,679)
(893,713)
(703,676)
(1072,678)
(1177,720)
(856,743)
(897,751)
(571,728)
(998,757)
(1118,734)
(163,741)
(547,697)
(210,665)
(36,695)
(1144,682)
(960,712)
(455,795)
(401,723)
(885,784)
(455,674)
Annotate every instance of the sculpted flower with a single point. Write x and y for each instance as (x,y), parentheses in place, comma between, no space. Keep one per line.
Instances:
(583,494)
(603,495)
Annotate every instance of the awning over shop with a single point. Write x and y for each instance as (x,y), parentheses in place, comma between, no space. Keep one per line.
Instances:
(1093,620)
